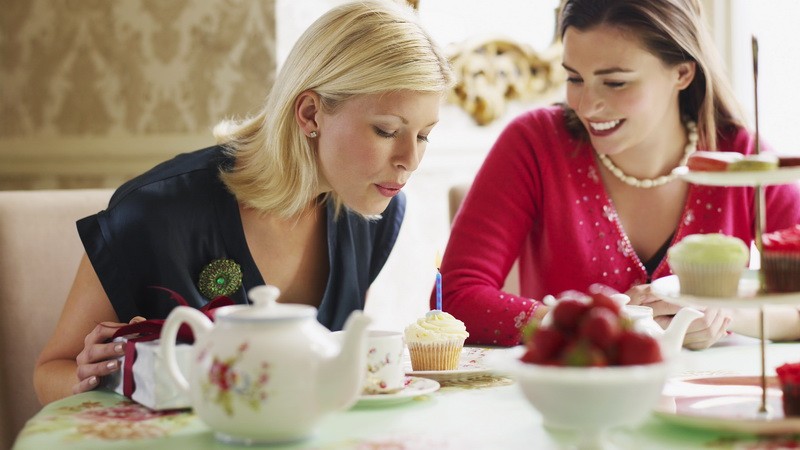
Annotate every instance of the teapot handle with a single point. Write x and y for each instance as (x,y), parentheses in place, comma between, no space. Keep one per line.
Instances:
(200,325)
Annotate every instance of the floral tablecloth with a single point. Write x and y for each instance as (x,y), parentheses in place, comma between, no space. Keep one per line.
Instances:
(488,412)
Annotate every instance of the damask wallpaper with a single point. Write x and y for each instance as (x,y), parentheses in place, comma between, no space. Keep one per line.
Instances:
(96,67)
(129,68)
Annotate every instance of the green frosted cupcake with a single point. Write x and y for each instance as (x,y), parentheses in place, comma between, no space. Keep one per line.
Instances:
(709,265)
(753,163)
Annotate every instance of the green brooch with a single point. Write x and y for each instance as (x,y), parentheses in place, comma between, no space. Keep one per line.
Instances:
(220,277)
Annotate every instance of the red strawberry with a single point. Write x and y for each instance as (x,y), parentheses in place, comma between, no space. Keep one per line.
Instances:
(638,348)
(601,296)
(549,342)
(567,314)
(531,356)
(582,353)
(601,327)
(575,295)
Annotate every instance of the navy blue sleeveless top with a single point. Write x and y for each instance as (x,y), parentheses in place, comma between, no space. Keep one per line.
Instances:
(164,226)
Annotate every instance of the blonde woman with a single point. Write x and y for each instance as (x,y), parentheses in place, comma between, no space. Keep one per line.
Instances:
(306,195)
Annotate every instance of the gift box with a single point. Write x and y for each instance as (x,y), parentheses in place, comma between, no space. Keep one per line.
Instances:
(143,375)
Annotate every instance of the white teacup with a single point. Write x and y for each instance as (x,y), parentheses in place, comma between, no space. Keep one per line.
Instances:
(385,373)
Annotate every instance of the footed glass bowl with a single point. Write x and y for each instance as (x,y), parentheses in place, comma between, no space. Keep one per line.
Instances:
(588,400)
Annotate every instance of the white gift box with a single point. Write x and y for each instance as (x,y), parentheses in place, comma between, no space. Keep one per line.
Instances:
(153,387)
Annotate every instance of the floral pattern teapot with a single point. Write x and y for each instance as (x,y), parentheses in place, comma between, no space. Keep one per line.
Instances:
(266,373)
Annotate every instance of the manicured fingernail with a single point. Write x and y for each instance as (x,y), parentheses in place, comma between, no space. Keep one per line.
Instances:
(111,365)
(118,348)
(93,381)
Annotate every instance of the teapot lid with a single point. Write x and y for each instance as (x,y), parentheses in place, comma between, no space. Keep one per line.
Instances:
(266,308)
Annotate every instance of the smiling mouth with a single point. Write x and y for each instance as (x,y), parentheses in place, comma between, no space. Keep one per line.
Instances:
(605,126)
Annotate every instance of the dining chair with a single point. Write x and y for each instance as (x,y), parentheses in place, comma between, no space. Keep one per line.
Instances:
(456,196)
(39,255)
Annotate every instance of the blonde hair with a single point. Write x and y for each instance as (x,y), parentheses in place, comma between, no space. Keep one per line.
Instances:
(359,48)
(675,32)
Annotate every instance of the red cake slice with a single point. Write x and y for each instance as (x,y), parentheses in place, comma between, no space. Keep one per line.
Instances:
(708,161)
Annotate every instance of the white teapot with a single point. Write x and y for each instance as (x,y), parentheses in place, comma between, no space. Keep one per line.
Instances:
(266,373)
(670,340)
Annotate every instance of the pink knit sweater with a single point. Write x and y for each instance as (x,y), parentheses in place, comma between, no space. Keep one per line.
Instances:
(539,197)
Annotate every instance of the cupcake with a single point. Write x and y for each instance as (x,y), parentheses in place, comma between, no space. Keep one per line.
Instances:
(435,341)
(780,260)
(708,265)
(763,161)
(789,377)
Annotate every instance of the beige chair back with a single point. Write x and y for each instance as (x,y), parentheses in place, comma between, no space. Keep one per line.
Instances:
(39,255)
(455,197)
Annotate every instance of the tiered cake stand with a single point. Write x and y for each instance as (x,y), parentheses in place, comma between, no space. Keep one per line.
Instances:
(751,287)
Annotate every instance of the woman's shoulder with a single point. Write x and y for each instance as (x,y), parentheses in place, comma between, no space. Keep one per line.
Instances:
(734,138)
(546,123)
(540,130)
(184,176)
(552,115)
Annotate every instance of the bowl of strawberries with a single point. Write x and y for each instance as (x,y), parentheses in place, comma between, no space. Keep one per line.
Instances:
(586,367)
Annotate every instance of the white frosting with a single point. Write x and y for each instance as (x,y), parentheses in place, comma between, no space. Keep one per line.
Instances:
(436,326)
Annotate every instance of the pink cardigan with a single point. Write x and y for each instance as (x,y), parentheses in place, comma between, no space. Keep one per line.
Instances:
(539,197)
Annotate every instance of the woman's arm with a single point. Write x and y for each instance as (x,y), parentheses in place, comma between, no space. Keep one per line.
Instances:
(485,240)
(781,323)
(77,354)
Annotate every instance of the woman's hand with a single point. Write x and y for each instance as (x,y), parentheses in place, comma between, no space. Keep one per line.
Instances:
(99,357)
(642,295)
(704,331)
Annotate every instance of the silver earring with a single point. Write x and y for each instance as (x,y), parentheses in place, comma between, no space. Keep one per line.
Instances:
(312,135)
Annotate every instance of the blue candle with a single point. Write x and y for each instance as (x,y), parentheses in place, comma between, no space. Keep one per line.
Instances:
(438,290)
(438,282)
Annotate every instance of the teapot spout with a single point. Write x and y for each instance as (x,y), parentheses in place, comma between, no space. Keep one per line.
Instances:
(344,374)
(672,341)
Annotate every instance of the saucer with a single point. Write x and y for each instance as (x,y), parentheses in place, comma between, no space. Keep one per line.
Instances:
(726,403)
(470,365)
(414,386)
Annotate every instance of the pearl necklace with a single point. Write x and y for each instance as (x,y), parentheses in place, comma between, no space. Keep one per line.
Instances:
(646,183)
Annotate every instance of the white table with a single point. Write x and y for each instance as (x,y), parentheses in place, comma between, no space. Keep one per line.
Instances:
(487,413)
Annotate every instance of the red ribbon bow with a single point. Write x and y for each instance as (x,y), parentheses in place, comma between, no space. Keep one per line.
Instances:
(150,330)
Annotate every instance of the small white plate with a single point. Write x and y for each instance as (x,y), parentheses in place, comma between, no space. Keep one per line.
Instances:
(669,289)
(414,386)
(785,175)
(728,404)
(470,365)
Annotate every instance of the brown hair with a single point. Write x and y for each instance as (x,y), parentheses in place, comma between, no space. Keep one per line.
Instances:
(675,32)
